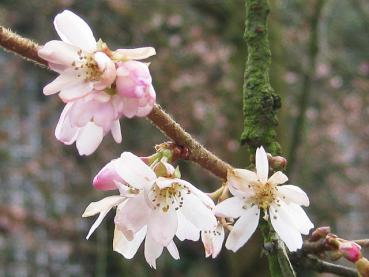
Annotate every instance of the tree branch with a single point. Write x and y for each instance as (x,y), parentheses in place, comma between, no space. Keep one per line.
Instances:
(260,103)
(199,154)
(313,263)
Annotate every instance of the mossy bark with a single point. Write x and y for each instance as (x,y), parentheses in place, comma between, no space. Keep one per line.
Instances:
(260,103)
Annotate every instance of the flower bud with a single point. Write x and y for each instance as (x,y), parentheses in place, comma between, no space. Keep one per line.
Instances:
(350,250)
(278,162)
(106,178)
(133,79)
(320,233)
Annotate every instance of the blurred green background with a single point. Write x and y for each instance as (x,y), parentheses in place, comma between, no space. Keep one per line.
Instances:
(198,75)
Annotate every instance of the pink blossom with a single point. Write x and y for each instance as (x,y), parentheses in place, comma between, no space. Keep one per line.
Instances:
(81,65)
(87,120)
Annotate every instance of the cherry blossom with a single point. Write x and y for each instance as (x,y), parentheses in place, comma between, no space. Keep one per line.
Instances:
(254,192)
(154,205)
(82,66)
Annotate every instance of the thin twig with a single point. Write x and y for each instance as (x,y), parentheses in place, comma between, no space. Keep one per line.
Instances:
(198,153)
(313,263)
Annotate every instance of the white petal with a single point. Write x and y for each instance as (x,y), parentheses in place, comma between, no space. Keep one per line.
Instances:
(63,81)
(125,247)
(186,230)
(213,241)
(163,182)
(59,53)
(239,182)
(162,226)
(132,215)
(278,178)
(173,250)
(103,207)
(285,229)
(291,193)
(231,207)
(74,30)
(134,171)
(198,193)
(104,204)
(262,165)
(89,139)
(301,220)
(218,240)
(76,91)
(137,53)
(197,213)
(116,131)
(153,251)
(64,131)
(243,229)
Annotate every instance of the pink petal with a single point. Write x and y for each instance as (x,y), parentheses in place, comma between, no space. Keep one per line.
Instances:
(107,67)
(89,139)
(262,165)
(106,178)
(75,92)
(74,30)
(132,216)
(58,52)
(64,131)
(243,229)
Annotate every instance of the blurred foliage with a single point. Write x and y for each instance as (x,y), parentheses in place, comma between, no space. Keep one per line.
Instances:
(198,78)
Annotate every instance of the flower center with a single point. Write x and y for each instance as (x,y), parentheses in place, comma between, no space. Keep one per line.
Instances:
(265,194)
(86,66)
(168,197)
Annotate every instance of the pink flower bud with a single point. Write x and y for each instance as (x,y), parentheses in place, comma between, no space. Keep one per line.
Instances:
(106,178)
(133,79)
(320,233)
(350,250)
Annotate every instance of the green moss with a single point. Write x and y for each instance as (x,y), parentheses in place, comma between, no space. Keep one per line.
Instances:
(260,103)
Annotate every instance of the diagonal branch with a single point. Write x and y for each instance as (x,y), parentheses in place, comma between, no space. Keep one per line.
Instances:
(199,154)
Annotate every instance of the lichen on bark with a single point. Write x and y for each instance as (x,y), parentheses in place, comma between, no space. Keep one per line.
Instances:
(260,103)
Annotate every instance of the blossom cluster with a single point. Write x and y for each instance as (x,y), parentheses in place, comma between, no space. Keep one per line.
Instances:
(153,203)
(99,86)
